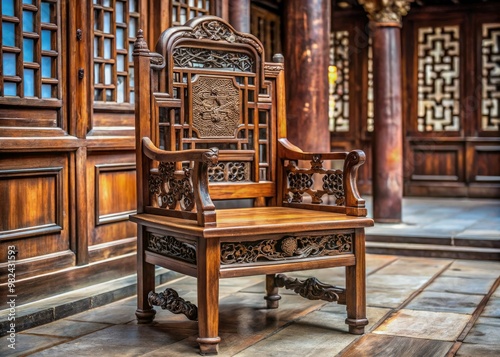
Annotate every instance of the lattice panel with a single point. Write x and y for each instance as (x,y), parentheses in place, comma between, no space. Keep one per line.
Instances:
(31,47)
(490,108)
(115,26)
(339,90)
(184,10)
(370,109)
(438,79)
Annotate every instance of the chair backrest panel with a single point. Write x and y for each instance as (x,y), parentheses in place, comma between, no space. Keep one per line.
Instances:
(213,93)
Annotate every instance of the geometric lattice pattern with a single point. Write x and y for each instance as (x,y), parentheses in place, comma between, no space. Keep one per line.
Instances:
(183,10)
(115,26)
(490,108)
(369,113)
(30,49)
(438,79)
(339,90)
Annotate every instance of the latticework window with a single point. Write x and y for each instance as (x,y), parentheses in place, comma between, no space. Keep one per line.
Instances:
(30,52)
(438,79)
(339,91)
(490,77)
(115,27)
(184,10)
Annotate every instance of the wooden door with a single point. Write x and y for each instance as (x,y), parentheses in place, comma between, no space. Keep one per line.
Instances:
(452,101)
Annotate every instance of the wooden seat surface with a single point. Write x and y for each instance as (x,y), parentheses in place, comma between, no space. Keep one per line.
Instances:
(258,220)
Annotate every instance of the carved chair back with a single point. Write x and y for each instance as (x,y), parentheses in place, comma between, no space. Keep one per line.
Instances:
(207,86)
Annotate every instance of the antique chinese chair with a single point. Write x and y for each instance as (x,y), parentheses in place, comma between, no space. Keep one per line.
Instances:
(211,134)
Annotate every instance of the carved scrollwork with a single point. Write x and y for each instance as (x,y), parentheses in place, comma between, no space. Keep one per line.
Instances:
(217,31)
(301,182)
(171,247)
(386,11)
(286,248)
(188,57)
(171,187)
(311,288)
(170,300)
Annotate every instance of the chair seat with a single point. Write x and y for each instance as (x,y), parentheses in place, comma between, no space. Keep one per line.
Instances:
(257,220)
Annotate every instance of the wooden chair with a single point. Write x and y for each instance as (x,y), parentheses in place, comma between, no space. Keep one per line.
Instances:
(211,132)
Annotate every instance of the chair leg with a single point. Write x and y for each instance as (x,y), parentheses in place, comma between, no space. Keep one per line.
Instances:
(272,296)
(356,287)
(145,282)
(208,295)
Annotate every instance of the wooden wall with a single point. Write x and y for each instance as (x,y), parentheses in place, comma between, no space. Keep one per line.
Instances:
(67,161)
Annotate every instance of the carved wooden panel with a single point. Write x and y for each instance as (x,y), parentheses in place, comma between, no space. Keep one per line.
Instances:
(171,247)
(286,248)
(490,108)
(438,63)
(216,107)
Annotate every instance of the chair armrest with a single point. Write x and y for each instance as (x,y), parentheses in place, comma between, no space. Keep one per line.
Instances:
(338,183)
(189,185)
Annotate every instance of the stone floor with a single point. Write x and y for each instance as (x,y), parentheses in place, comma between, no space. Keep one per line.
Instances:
(416,307)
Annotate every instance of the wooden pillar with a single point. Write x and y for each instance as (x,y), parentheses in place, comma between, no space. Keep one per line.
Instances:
(239,15)
(306,29)
(385,20)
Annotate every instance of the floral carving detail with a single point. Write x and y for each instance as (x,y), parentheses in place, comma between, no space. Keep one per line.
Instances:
(171,247)
(286,248)
(298,184)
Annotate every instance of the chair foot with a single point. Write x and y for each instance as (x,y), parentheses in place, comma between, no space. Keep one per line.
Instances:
(145,316)
(272,301)
(356,326)
(208,345)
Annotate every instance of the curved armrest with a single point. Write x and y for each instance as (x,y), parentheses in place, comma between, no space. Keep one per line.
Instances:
(288,151)
(205,209)
(354,204)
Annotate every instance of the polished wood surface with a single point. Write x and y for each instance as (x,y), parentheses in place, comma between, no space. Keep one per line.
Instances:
(203,136)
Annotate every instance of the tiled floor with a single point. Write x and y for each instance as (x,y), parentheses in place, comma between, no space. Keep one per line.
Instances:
(416,307)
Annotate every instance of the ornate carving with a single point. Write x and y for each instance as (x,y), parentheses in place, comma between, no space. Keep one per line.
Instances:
(339,87)
(438,79)
(273,68)
(171,187)
(301,181)
(229,172)
(491,77)
(171,247)
(188,57)
(386,11)
(170,300)
(286,248)
(216,107)
(217,31)
(311,288)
